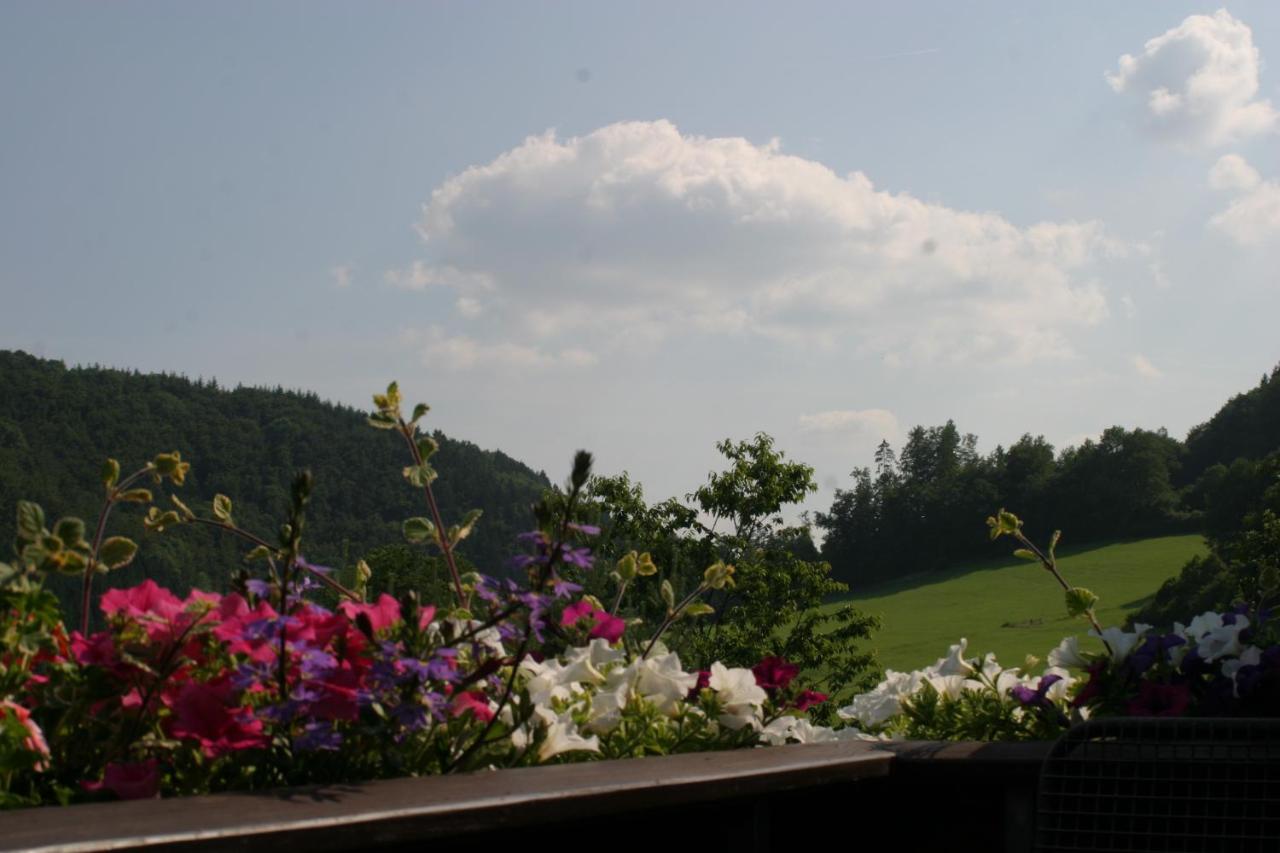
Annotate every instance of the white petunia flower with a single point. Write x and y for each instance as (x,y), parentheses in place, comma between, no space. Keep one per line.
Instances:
(1067,655)
(740,697)
(954,663)
(1223,641)
(884,701)
(1120,642)
(1250,656)
(562,736)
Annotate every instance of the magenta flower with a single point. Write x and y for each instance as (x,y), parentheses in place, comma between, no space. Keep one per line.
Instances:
(204,712)
(474,702)
(808,699)
(1159,700)
(603,625)
(138,780)
(774,672)
(382,614)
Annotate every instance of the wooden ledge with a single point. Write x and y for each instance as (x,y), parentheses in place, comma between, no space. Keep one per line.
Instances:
(399,811)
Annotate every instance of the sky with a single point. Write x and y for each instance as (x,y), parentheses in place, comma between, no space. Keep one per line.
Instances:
(641,229)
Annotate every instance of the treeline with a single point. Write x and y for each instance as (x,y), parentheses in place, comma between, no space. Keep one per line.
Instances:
(924,507)
(57,425)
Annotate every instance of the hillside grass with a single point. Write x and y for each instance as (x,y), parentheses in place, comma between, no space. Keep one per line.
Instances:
(1013,607)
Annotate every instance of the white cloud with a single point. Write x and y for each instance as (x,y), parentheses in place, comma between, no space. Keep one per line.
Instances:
(469,307)
(461,352)
(1197,84)
(1232,172)
(636,226)
(872,423)
(420,275)
(341,275)
(1145,368)
(1253,217)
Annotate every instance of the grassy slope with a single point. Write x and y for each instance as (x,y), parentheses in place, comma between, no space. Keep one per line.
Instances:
(922,616)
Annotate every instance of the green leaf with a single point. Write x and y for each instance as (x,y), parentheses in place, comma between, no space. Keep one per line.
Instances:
(117,552)
(158,521)
(668,595)
(393,395)
(461,531)
(261,552)
(171,465)
(70,531)
(1026,555)
(73,563)
(1080,601)
(427,446)
(222,508)
(626,567)
(30,521)
(698,608)
(110,472)
(417,530)
(645,565)
(135,496)
(381,421)
(183,510)
(419,411)
(420,475)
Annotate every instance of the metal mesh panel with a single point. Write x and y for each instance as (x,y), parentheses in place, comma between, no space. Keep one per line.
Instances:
(1159,784)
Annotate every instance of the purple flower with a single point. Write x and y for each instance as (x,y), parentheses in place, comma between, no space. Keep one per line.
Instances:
(319,736)
(1036,698)
(315,663)
(259,587)
(562,588)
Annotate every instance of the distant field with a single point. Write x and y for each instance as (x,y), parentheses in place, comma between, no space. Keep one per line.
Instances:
(1013,607)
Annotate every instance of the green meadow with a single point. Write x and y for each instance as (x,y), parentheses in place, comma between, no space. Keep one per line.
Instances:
(1013,607)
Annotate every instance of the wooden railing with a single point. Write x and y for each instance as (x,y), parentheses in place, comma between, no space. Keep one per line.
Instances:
(968,796)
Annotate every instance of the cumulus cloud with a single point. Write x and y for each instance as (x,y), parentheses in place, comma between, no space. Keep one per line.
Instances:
(1145,368)
(1232,172)
(1253,217)
(341,275)
(462,352)
(637,226)
(872,423)
(1197,84)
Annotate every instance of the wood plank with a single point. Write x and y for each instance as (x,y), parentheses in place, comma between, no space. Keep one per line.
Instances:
(400,811)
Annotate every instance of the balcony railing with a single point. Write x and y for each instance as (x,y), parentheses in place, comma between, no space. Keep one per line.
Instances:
(968,796)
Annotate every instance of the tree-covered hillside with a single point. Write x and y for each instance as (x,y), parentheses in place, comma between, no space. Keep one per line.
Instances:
(57,425)
(923,508)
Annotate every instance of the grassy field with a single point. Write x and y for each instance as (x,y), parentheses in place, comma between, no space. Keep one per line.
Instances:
(1013,607)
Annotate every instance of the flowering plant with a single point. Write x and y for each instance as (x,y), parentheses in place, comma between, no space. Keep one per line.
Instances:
(264,686)
(1220,664)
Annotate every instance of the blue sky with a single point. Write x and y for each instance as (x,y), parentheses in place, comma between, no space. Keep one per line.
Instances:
(640,229)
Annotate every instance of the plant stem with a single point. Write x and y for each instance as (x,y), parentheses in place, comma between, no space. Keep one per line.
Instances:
(249,537)
(1052,566)
(672,617)
(86,592)
(442,535)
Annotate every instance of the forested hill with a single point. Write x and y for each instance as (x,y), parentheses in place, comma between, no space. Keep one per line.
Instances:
(1247,427)
(58,425)
(923,507)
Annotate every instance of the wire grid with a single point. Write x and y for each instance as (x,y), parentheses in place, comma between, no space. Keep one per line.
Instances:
(1162,784)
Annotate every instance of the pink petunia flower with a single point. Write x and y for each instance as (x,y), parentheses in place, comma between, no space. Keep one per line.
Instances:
(34,740)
